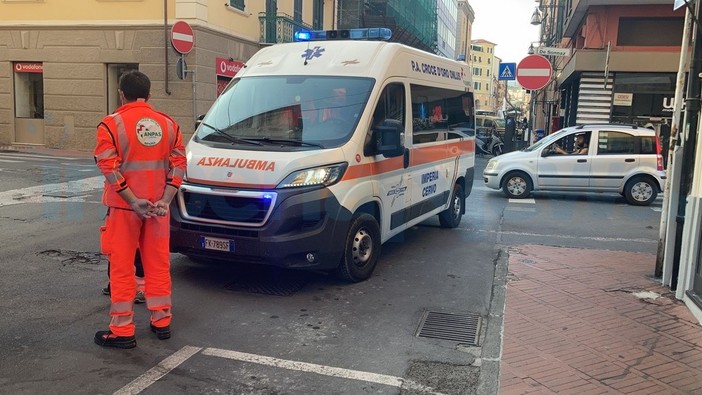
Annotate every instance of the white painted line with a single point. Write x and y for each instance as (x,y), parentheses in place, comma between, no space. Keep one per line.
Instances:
(393,381)
(36,194)
(10,161)
(20,155)
(154,374)
(520,201)
(658,209)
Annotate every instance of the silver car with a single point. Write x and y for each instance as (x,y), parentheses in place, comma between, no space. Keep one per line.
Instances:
(616,158)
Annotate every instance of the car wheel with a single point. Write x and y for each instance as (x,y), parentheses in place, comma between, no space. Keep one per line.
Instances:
(361,250)
(517,185)
(451,217)
(640,191)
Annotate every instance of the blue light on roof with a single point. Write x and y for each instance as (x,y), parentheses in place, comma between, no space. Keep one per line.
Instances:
(376,33)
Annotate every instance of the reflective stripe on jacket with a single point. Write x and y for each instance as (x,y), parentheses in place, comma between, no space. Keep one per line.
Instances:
(139,148)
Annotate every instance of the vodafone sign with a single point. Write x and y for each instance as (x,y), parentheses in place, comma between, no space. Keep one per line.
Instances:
(29,67)
(227,68)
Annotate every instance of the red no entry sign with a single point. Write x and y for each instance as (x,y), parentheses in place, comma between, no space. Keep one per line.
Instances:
(182,37)
(534,72)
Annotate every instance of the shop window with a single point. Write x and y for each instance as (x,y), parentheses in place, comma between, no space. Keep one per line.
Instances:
(29,90)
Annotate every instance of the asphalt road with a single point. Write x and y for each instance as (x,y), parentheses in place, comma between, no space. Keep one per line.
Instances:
(238,329)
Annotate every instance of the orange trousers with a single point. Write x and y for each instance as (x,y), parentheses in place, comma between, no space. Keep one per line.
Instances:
(121,235)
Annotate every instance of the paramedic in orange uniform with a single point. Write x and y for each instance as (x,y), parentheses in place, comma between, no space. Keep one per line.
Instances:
(141,154)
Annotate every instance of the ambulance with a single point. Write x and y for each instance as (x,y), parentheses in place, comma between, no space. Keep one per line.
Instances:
(319,151)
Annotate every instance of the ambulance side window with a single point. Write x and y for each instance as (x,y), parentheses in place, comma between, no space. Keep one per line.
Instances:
(389,111)
(441,114)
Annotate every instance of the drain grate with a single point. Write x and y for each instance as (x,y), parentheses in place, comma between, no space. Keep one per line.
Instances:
(267,283)
(461,328)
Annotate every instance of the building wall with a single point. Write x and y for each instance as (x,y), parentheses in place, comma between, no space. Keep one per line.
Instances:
(483,58)
(75,45)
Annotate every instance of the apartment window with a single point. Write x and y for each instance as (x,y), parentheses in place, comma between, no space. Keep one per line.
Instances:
(650,32)
(238,4)
(29,90)
(488,72)
(297,11)
(488,60)
(318,14)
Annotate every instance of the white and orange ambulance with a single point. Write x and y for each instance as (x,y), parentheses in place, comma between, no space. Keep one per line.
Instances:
(320,151)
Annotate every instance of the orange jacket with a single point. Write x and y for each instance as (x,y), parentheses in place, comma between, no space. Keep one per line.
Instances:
(139,148)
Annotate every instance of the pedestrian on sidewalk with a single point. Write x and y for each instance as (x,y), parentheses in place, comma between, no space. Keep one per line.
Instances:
(141,154)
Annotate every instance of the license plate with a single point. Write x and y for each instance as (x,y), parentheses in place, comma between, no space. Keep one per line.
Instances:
(212,243)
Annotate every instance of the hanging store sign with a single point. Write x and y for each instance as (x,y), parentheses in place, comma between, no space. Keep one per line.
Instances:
(227,68)
(623,99)
(29,67)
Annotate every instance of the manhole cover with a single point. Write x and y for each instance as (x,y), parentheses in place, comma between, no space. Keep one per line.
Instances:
(277,283)
(461,328)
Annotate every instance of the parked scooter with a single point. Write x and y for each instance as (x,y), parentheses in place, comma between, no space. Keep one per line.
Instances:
(489,144)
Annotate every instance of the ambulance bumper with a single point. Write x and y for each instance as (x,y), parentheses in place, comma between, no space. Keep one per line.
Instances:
(306,229)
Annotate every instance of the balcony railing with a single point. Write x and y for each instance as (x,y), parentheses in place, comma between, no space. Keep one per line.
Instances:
(279,28)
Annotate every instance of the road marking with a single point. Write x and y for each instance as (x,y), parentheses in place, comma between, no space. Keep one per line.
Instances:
(154,374)
(19,155)
(522,201)
(36,194)
(393,381)
(10,161)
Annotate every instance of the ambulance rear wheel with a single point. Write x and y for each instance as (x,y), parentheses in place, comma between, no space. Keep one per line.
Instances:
(361,250)
(451,217)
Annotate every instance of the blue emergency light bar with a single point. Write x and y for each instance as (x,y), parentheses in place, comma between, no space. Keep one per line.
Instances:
(374,33)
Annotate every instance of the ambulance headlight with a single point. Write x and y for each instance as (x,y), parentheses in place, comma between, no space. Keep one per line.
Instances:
(326,175)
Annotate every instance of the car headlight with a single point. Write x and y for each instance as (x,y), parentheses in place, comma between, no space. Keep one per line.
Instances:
(326,175)
(492,164)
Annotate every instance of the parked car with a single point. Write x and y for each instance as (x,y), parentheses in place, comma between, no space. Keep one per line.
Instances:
(620,158)
(486,124)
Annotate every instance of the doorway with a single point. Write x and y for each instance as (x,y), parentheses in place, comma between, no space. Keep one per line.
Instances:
(114,71)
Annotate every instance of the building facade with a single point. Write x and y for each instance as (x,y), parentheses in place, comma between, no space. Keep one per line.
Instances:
(484,66)
(59,65)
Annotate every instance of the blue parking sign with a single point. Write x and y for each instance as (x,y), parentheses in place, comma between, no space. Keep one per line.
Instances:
(507,71)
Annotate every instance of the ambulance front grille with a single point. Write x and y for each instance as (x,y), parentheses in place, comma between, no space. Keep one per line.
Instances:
(225,207)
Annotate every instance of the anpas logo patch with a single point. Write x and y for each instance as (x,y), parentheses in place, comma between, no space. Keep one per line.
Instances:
(148,132)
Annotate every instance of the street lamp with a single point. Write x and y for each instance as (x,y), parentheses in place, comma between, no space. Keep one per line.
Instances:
(536,17)
(530,51)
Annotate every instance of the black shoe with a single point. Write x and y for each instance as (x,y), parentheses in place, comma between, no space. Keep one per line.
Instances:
(162,333)
(106,290)
(108,339)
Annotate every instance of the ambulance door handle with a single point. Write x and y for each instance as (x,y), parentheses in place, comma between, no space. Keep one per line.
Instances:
(406,161)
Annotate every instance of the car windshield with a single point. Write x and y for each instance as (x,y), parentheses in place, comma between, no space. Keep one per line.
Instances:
(500,123)
(287,112)
(547,140)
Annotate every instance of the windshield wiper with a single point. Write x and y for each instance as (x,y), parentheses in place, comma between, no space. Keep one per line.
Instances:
(233,139)
(288,142)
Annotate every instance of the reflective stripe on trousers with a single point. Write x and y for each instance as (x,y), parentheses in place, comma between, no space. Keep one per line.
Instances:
(126,232)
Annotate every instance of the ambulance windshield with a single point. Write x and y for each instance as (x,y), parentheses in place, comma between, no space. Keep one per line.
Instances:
(287,112)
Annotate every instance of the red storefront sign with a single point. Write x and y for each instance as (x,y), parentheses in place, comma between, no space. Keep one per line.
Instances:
(227,68)
(29,67)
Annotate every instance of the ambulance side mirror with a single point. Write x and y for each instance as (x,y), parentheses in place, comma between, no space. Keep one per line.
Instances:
(389,139)
(198,120)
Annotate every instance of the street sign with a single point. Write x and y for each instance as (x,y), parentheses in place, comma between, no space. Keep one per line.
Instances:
(181,68)
(534,72)
(182,37)
(553,51)
(506,71)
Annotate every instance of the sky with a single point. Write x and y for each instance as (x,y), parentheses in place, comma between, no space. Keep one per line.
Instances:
(505,23)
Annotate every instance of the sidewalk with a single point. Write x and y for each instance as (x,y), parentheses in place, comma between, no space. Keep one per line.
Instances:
(580,321)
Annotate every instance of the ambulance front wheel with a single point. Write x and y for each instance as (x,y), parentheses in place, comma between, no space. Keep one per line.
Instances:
(451,217)
(361,250)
